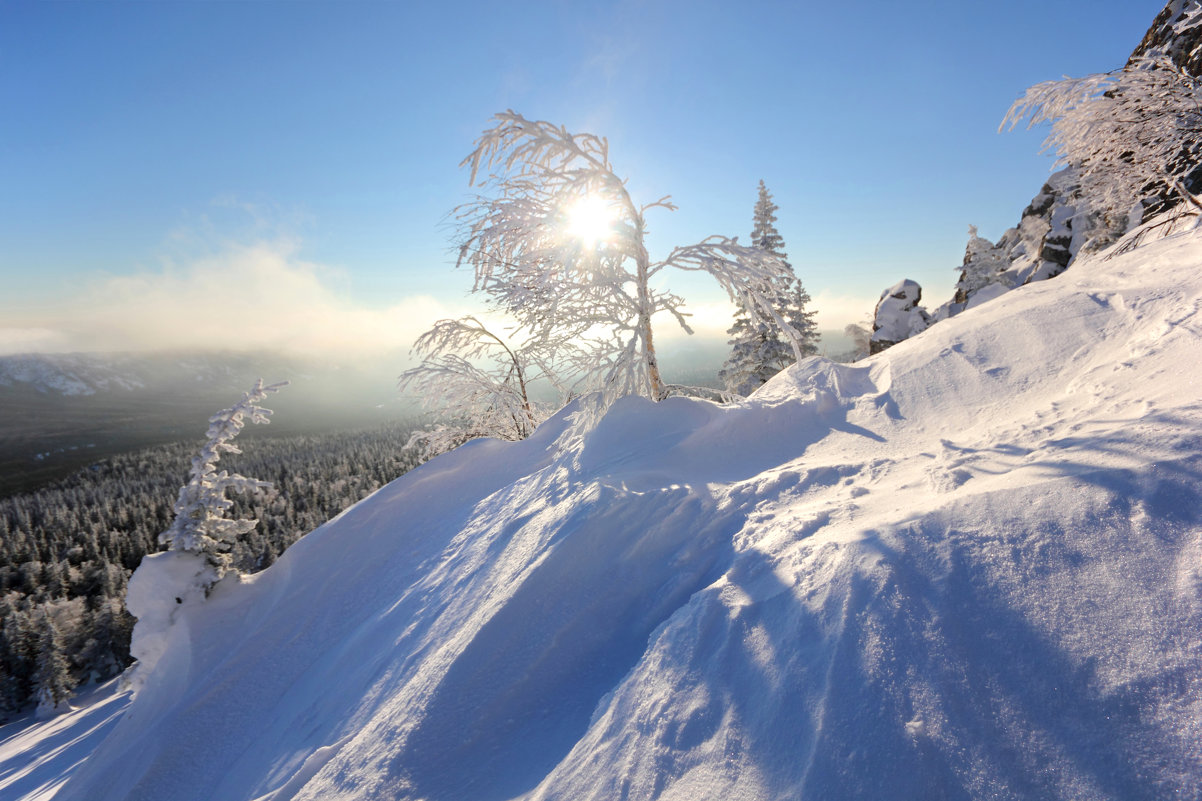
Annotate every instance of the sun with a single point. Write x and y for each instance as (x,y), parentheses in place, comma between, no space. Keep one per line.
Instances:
(590,220)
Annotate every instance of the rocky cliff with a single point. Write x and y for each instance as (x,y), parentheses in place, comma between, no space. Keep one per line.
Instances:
(1058,225)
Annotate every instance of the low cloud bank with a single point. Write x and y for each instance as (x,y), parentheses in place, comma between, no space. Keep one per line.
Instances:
(263,297)
(247,297)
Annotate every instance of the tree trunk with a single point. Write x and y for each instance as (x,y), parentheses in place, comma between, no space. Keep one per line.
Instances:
(528,427)
(655,383)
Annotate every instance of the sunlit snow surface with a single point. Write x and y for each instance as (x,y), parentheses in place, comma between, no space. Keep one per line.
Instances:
(36,757)
(970,567)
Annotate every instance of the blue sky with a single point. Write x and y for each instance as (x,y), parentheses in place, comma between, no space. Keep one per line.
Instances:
(169,169)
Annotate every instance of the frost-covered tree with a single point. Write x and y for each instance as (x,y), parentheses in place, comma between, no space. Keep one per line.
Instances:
(557,242)
(200,540)
(763,224)
(1134,134)
(200,525)
(759,348)
(861,338)
(476,383)
(984,264)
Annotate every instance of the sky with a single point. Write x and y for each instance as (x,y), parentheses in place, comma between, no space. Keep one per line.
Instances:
(281,174)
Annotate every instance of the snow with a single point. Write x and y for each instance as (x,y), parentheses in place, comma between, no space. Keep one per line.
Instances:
(898,315)
(985,294)
(36,757)
(967,567)
(162,586)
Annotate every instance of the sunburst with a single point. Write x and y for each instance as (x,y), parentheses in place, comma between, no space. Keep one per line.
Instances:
(590,220)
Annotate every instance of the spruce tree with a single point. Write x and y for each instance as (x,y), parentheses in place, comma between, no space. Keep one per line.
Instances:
(200,524)
(13,692)
(758,349)
(52,683)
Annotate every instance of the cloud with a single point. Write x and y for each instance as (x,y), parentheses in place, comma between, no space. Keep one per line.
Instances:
(263,297)
(256,297)
(837,310)
(709,320)
(32,340)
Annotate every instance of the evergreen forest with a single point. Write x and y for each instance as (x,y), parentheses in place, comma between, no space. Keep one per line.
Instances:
(67,549)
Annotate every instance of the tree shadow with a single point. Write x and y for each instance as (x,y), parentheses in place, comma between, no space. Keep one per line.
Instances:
(1120,440)
(821,724)
(919,671)
(42,755)
(523,690)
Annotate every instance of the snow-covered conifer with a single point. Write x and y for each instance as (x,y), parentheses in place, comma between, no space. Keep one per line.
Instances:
(984,264)
(199,541)
(14,685)
(200,525)
(52,683)
(763,224)
(759,350)
(557,242)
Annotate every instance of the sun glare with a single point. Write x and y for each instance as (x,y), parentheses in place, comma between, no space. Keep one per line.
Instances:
(591,219)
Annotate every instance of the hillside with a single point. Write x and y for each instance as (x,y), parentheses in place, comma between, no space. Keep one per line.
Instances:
(63,412)
(968,567)
(1063,222)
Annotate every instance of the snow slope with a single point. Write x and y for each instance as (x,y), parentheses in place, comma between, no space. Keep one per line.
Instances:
(37,756)
(969,567)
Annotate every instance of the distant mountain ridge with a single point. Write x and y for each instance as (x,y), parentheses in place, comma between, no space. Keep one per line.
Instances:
(83,374)
(61,412)
(52,375)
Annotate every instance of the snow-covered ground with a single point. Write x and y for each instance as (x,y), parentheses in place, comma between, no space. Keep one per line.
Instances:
(36,757)
(969,567)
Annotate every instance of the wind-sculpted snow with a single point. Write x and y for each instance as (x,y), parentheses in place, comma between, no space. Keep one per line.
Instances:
(969,567)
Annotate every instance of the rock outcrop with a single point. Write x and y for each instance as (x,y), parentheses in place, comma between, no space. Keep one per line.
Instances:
(1180,46)
(1058,226)
(898,315)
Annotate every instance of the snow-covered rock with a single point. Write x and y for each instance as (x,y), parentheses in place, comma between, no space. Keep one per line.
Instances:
(967,567)
(897,315)
(1183,48)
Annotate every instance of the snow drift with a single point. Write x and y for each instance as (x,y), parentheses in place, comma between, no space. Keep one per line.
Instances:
(969,567)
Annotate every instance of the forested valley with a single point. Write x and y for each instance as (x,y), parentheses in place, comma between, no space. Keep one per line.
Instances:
(67,550)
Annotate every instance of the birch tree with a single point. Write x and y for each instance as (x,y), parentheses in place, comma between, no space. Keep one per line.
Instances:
(477,383)
(556,241)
